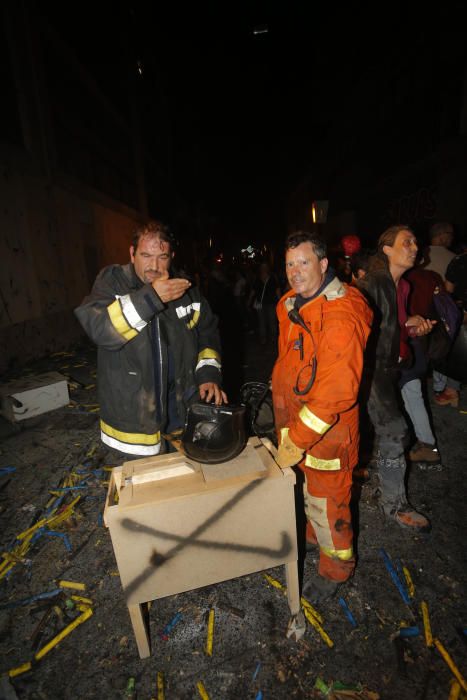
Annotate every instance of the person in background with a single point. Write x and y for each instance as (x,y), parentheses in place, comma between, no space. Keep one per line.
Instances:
(423,285)
(220,295)
(437,258)
(456,279)
(158,346)
(456,362)
(264,297)
(359,264)
(349,246)
(387,292)
(240,288)
(323,328)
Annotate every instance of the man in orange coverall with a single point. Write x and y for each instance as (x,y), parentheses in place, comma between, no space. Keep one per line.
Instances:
(323,328)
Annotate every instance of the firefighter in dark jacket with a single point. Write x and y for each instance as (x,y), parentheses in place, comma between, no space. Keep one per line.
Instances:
(158,345)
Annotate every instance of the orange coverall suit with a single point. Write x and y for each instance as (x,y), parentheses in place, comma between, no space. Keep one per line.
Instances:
(324,422)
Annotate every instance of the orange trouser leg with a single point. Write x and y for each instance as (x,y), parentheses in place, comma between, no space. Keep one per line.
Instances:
(327,506)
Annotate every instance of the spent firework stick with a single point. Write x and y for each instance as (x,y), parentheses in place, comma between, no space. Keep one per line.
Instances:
(455,671)
(210,637)
(426,624)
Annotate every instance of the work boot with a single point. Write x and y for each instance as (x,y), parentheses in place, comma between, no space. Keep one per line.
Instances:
(448,397)
(407,517)
(317,589)
(424,454)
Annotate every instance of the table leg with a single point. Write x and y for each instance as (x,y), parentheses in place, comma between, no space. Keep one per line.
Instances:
(293,589)
(297,625)
(140,628)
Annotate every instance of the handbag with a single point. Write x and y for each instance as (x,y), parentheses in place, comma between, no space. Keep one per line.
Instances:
(454,364)
(448,316)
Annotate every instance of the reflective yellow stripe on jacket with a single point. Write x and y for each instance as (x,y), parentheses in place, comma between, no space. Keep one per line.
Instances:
(119,321)
(329,465)
(208,356)
(131,438)
(191,324)
(342,554)
(312,421)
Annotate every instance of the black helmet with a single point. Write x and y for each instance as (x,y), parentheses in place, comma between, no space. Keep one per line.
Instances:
(213,433)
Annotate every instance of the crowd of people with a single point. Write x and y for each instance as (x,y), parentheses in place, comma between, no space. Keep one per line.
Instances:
(355,343)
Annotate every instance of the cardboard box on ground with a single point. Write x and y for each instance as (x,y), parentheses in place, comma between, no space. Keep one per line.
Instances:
(31,396)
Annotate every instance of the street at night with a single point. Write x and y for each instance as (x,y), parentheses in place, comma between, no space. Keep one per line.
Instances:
(233,351)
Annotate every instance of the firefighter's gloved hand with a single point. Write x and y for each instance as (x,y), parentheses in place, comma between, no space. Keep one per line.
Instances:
(288,453)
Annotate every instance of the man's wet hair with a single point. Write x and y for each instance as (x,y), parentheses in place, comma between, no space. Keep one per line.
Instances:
(298,237)
(156,229)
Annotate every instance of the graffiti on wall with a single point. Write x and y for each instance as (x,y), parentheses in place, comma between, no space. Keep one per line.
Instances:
(413,208)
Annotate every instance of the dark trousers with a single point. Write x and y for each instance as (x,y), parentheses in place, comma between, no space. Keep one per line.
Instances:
(391,435)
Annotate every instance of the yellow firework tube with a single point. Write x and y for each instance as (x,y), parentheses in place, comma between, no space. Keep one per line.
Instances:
(210,637)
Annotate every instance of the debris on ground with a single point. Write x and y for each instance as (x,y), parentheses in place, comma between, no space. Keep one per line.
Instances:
(397,630)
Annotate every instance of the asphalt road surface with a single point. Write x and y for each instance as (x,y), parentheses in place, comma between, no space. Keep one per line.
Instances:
(251,657)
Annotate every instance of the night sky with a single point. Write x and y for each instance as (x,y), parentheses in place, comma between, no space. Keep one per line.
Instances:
(237,118)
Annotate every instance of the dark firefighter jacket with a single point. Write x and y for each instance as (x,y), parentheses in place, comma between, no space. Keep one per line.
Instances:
(133,328)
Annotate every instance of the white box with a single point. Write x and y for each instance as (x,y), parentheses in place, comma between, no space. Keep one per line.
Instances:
(30,396)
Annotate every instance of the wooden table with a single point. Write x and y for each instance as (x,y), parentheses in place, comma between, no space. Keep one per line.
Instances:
(177,525)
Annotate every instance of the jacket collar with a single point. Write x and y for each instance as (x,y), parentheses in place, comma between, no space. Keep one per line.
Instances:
(333,290)
(132,278)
